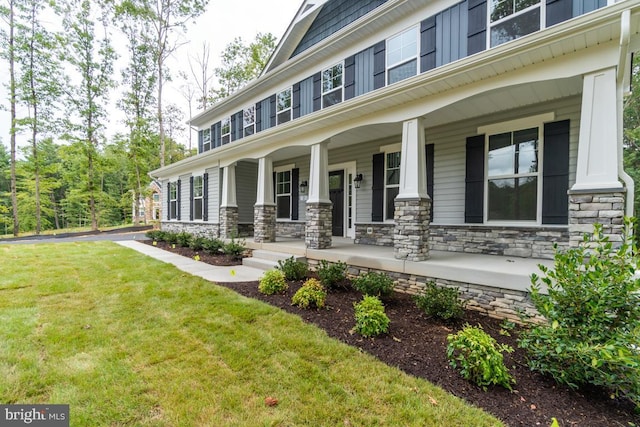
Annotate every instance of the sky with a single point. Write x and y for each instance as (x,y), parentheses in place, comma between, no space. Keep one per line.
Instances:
(223,21)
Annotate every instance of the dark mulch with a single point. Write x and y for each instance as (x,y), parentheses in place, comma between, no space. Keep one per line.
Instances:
(417,345)
(218,259)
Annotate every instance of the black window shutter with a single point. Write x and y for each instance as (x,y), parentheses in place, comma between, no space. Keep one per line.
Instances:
(295,178)
(272,107)
(428,44)
(218,130)
(429,155)
(234,125)
(239,125)
(317,91)
(474,181)
(555,176)
(179,200)
(212,133)
(200,141)
(274,188)
(295,101)
(379,64)
(258,117)
(558,11)
(191,198)
(168,200)
(205,197)
(377,198)
(477,31)
(350,77)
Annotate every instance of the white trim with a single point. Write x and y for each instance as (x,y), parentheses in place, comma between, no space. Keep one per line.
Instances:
(523,123)
(349,168)
(391,148)
(284,168)
(335,89)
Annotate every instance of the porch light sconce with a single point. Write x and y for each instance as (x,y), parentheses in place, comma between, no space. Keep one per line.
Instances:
(358,180)
(303,187)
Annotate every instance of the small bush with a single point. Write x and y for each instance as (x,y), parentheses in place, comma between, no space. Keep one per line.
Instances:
(213,246)
(171,238)
(592,312)
(197,243)
(479,357)
(153,234)
(234,248)
(293,269)
(182,239)
(371,319)
(441,302)
(272,282)
(332,274)
(312,293)
(374,284)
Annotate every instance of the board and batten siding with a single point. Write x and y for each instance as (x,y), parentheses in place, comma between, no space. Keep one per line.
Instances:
(213,201)
(246,182)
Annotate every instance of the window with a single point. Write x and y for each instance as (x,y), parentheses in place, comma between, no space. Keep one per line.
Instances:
(391,182)
(198,205)
(511,19)
(226,130)
(512,172)
(283,194)
(402,55)
(206,139)
(249,120)
(283,106)
(173,200)
(332,85)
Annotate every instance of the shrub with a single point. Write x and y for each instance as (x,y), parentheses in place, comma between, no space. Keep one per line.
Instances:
(154,234)
(479,357)
(332,274)
(592,313)
(197,243)
(441,302)
(213,246)
(371,319)
(182,239)
(234,248)
(272,282)
(171,238)
(374,284)
(293,269)
(312,293)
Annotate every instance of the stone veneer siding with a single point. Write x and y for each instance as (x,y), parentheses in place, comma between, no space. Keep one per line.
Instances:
(290,228)
(588,208)
(264,218)
(201,229)
(318,226)
(527,242)
(245,229)
(411,231)
(228,222)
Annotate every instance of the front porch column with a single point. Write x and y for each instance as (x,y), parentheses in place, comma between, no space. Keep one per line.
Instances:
(412,204)
(318,226)
(597,195)
(264,211)
(228,204)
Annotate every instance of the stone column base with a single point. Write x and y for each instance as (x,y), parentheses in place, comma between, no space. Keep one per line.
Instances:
(318,227)
(264,223)
(590,207)
(228,222)
(411,232)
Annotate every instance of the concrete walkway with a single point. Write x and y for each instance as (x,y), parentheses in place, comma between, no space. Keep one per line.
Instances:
(236,273)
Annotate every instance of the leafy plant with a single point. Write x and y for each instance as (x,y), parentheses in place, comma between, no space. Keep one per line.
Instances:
(273,282)
(592,312)
(154,234)
(171,238)
(293,269)
(311,293)
(479,357)
(332,274)
(234,248)
(182,239)
(371,320)
(213,246)
(441,302)
(197,243)
(374,284)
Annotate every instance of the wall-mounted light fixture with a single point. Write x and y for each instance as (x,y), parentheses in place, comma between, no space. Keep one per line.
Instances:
(303,187)
(358,180)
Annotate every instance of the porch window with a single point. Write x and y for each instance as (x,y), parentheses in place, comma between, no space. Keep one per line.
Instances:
(283,106)
(392,182)
(402,55)
(249,120)
(226,130)
(511,19)
(283,194)
(173,200)
(206,139)
(198,205)
(512,171)
(332,84)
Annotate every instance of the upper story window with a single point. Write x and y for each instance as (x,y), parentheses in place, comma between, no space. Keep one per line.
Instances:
(173,200)
(198,205)
(225,130)
(283,105)
(391,182)
(249,120)
(511,19)
(206,139)
(402,55)
(332,84)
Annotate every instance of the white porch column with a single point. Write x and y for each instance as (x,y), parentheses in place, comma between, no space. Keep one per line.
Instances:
(264,210)
(228,204)
(318,225)
(412,204)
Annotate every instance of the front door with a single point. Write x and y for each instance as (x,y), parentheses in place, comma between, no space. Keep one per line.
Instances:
(336,194)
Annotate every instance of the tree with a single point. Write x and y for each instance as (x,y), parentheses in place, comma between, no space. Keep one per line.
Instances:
(632,133)
(201,75)
(5,187)
(241,63)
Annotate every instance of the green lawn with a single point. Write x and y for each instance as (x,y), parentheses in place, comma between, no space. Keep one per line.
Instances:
(128,340)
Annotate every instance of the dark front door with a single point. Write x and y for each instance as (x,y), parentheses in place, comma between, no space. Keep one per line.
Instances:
(336,194)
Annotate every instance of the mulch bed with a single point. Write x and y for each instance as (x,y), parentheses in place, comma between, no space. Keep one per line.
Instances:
(417,345)
(219,259)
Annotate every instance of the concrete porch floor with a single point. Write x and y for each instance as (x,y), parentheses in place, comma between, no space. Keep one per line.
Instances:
(486,270)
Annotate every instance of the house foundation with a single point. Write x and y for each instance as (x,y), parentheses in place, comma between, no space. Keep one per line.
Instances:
(411,231)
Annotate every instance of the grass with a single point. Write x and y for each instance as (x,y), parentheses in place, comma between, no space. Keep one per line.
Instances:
(128,340)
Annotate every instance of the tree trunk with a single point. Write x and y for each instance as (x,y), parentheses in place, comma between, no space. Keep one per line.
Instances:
(55,210)
(160,121)
(34,124)
(12,90)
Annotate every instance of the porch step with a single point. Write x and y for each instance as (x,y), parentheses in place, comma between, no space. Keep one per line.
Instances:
(267,260)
